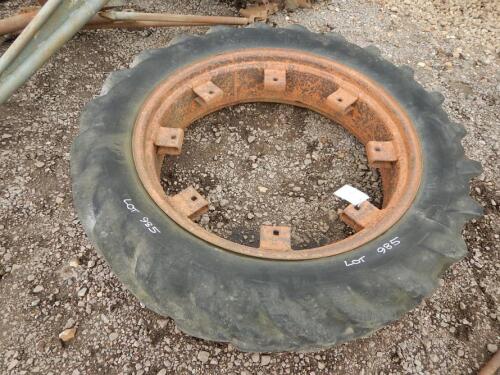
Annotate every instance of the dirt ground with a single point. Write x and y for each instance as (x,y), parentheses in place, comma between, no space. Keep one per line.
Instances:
(52,279)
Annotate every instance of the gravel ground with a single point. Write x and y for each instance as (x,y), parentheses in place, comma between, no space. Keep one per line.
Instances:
(52,280)
(271,164)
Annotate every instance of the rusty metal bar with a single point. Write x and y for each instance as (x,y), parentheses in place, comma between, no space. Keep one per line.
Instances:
(492,366)
(14,24)
(99,22)
(174,18)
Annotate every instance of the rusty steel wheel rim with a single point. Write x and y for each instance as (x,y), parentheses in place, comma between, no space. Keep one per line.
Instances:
(292,77)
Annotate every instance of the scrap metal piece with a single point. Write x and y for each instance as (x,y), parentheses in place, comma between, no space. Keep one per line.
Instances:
(360,217)
(259,12)
(189,202)
(208,92)
(275,237)
(380,153)
(284,4)
(341,100)
(275,80)
(294,4)
(169,141)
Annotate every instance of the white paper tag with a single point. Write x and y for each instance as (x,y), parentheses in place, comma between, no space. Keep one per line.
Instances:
(352,195)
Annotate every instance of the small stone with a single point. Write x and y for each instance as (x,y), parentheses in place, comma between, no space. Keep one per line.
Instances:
(203,356)
(421,64)
(38,289)
(265,360)
(457,52)
(39,164)
(82,292)
(12,364)
(492,348)
(262,189)
(349,331)
(250,216)
(251,139)
(67,334)
(104,319)
(162,372)
(6,136)
(434,358)
(485,60)
(460,353)
(255,357)
(113,336)
(74,262)
(69,324)
(162,323)
(321,365)
(59,200)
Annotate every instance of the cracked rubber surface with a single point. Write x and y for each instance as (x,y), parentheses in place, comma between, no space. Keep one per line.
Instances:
(257,304)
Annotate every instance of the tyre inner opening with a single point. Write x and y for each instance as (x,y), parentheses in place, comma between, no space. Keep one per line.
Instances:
(274,164)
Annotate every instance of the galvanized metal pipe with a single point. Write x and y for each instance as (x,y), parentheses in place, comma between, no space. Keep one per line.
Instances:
(28,33)
(63,23)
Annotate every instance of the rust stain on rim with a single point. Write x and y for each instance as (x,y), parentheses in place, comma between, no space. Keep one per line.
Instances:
(285,76)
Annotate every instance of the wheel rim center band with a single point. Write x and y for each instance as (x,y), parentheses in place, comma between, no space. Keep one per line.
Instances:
(284,76)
